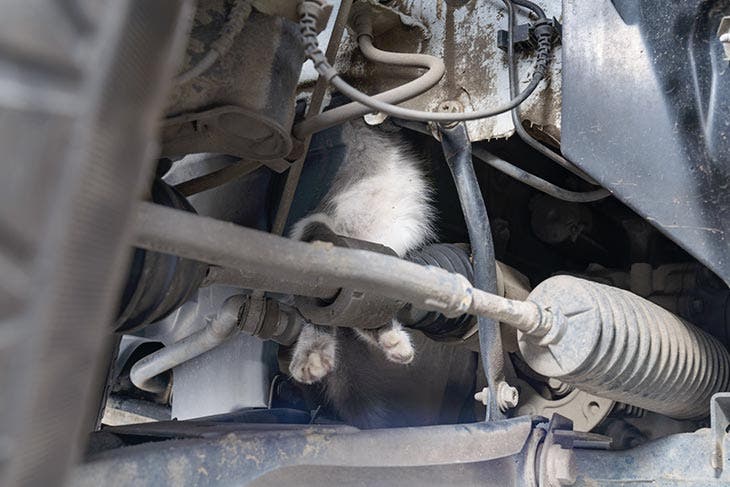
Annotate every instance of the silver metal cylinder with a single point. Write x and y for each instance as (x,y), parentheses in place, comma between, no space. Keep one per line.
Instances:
(617,345)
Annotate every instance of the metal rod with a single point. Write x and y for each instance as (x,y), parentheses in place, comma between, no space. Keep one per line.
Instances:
(217,178)
(457,151)
(227,245)
(252,280)
(213,334)
(315,107)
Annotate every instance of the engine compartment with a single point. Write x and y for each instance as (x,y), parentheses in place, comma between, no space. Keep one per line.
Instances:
(597,337)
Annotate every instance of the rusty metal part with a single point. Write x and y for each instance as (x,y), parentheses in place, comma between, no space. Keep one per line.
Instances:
(614,344)
(237,107)
(315,107)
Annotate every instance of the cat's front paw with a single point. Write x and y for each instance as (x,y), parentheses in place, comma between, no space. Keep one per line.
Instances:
(312,364)
(397,346)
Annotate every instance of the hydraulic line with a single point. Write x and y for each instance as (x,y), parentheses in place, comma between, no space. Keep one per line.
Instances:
(513,81)
(309,11)
(435,71)
(517,173)
(213,334)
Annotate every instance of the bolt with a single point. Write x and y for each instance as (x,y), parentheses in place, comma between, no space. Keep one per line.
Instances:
(482,396)
(560,466)
(450,106)
(507,396)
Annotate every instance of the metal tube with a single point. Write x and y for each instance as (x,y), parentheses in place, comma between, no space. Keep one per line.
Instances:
(225,244)
(423,83)
(519,174)
(253,280)
(216,332)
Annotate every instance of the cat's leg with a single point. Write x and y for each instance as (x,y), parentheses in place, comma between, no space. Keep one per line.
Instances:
(393,340)
(314,354)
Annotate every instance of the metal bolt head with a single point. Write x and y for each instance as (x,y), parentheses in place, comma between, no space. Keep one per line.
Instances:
(507,396)
(561,468)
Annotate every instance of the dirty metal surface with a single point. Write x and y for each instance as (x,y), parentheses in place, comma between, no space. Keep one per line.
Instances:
(681,459)
(240,457)
(464,35)
(646,114)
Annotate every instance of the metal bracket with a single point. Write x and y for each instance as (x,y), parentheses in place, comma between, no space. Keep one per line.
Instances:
(720,424)
(556,463)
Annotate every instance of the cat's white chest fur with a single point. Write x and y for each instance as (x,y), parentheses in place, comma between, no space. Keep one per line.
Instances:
(380,194)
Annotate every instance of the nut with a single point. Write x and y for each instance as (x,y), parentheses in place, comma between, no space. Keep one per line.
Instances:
(507,396)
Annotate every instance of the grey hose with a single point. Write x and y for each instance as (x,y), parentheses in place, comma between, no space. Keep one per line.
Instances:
(236,18)
(213,334)
(430,78)
(309,10)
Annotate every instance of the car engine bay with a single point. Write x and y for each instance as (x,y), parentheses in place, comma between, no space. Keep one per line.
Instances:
(569,312)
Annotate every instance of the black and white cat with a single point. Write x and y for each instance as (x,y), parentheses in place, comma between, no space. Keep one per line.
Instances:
(379,194)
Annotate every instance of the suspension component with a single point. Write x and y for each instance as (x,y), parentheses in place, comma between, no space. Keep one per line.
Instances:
(617,345)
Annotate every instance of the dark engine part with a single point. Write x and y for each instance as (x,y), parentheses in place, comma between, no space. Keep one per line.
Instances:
(158,283)
(349,308)
(667,88)
(615,344)
(453,258)
(236,107)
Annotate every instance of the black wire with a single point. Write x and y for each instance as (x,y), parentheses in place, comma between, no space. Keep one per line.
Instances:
(516,119)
